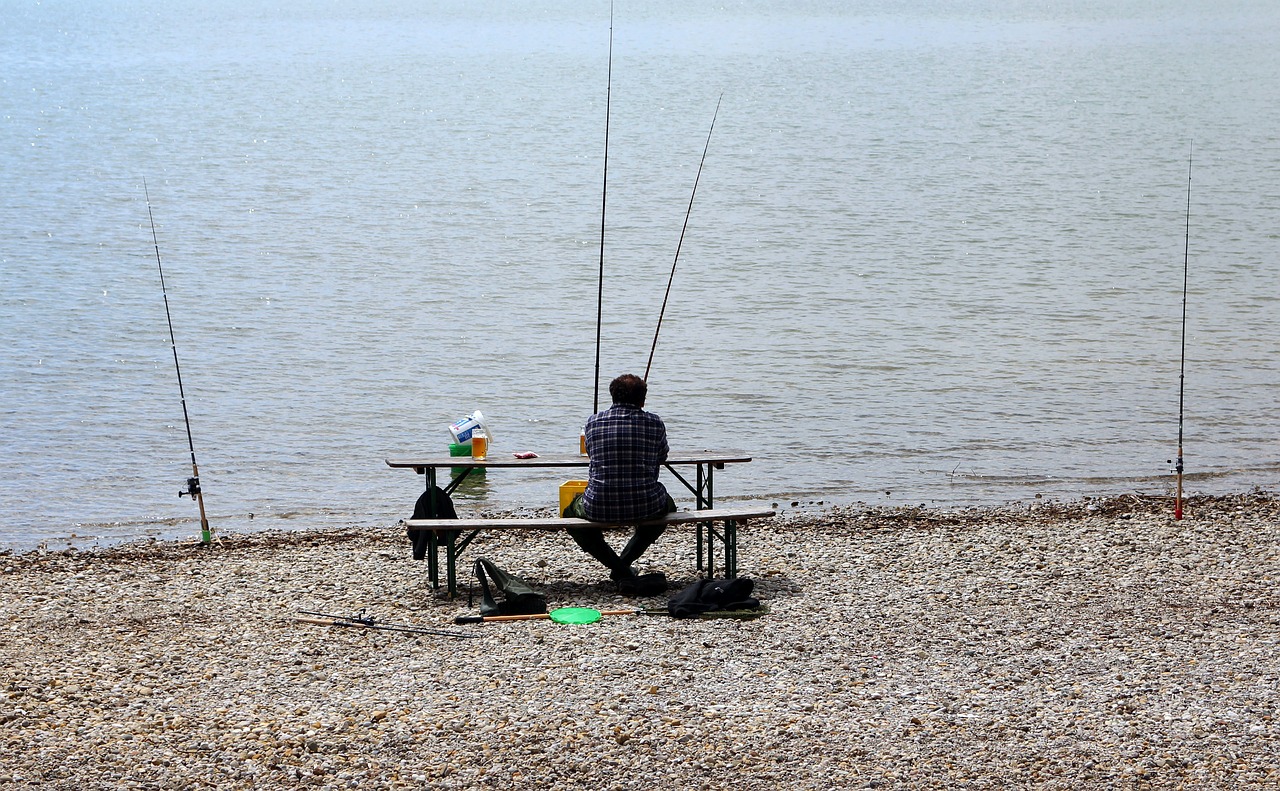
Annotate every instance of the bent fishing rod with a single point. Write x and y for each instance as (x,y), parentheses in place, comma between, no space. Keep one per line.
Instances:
(680,243)
(1182,363)
(193,483)
(604,193)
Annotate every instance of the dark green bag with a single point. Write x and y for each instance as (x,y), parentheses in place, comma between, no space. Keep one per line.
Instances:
(519,597)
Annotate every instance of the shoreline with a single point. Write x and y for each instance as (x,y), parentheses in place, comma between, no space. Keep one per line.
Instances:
(787,508)
(1096,643)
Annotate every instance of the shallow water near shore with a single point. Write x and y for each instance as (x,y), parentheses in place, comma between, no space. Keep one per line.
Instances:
(936,255)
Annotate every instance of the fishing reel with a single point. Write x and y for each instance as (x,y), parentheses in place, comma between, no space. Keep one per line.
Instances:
(193,488)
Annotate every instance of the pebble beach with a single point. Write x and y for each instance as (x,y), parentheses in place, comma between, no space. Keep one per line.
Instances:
(1091,644)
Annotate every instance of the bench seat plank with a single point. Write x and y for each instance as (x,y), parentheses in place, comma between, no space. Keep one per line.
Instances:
(561,523)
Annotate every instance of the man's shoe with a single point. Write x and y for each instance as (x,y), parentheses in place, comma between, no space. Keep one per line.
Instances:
(652,584)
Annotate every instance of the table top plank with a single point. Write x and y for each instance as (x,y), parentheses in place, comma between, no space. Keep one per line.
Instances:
(559,460)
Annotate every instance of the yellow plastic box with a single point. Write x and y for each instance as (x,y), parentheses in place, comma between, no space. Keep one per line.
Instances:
(568,490)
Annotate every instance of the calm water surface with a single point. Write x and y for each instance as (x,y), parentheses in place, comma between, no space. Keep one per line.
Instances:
(935,255)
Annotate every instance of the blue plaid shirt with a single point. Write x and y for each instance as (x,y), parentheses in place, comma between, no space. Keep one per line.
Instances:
(627,446)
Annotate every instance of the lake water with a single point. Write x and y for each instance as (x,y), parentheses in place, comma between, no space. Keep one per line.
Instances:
(935,256)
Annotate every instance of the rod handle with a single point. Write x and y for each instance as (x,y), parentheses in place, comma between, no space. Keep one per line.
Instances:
(315,621)
(531,617)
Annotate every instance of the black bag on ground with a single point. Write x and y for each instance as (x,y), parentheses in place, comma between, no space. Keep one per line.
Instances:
(653,584)
(519,597)
(427,507)
(711,596)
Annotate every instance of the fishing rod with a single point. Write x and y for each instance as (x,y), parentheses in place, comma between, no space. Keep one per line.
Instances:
(1182,364)
(560,615)
(604,193)
(585,615)
(681,242)
(361,621)
(193,483)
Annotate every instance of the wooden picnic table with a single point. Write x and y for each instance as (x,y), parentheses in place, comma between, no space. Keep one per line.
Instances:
(704,462)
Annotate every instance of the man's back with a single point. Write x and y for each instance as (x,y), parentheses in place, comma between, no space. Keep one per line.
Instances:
(626,446)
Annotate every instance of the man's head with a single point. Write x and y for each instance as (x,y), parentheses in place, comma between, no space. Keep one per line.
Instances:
(628,389)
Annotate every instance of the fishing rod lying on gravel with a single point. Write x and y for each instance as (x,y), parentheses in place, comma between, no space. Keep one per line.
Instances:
(193,483)
(589,615)
(559,615)
(362,621)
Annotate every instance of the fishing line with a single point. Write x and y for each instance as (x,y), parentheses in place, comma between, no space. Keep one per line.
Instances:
(680,243)
(1182,364)
(193,483)
(604,193)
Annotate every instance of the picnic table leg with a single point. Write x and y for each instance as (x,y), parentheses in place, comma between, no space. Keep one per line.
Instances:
(730,548)
(695,489)
(450,544)
(706,499)
(433,564)
(458,479)
(451,557)
(711,548)
(433,542)
(729,545)
(698,496)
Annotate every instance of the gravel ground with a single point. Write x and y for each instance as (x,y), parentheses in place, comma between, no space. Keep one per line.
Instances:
(1097,644)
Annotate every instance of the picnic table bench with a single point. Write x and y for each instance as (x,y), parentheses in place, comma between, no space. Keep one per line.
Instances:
(449,534)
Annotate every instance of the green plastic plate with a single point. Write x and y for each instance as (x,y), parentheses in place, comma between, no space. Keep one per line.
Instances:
(574,615)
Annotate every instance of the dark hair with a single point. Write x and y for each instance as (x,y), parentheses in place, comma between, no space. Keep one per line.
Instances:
(628,389)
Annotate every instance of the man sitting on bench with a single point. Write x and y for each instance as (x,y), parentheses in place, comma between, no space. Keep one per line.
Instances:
(626,446)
